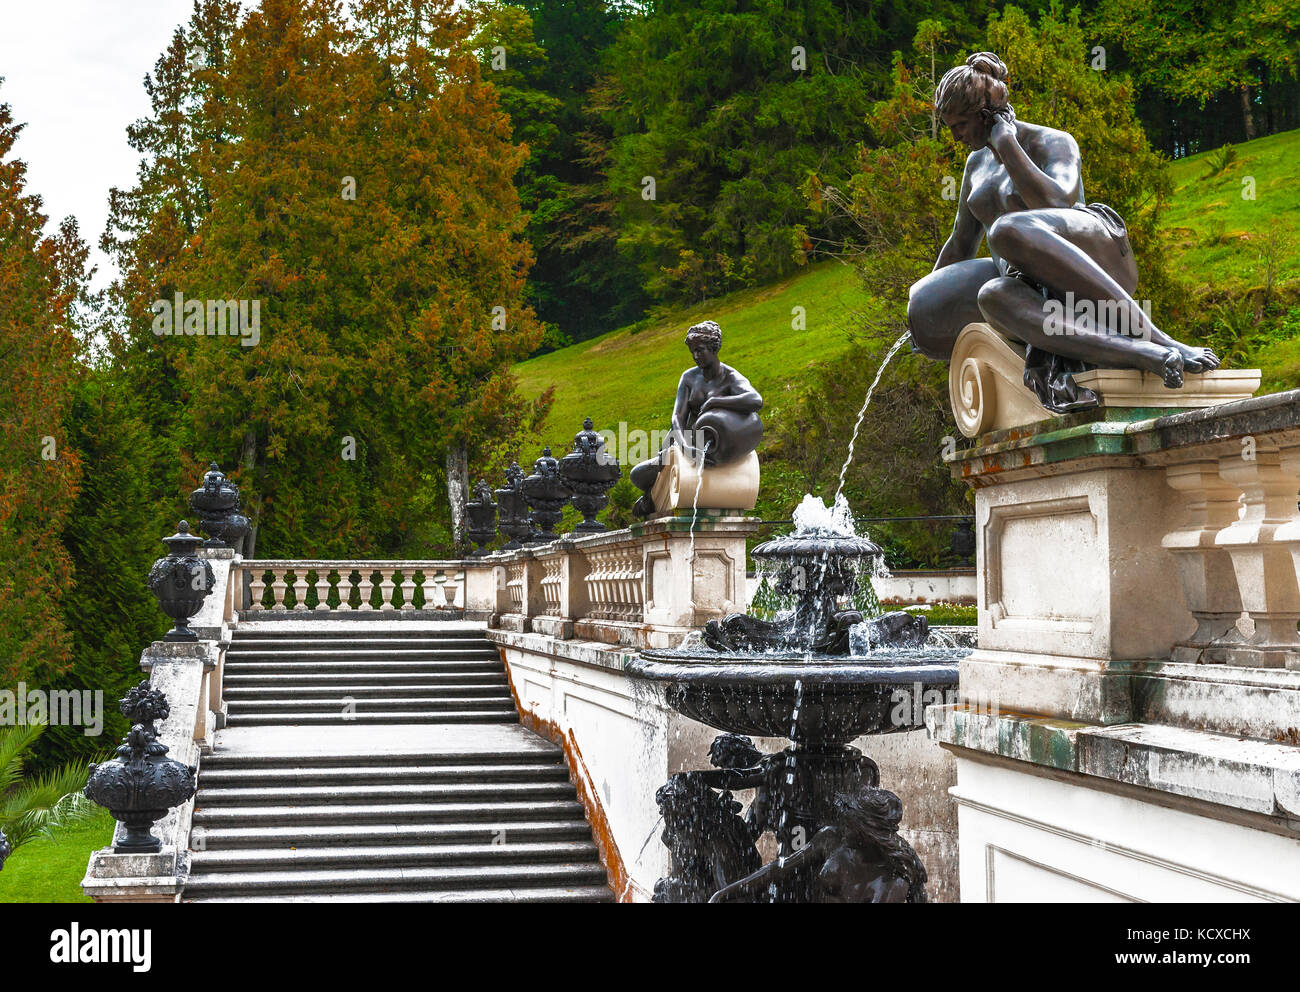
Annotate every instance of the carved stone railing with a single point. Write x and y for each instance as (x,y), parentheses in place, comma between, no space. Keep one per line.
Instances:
(645,586)
(351,586)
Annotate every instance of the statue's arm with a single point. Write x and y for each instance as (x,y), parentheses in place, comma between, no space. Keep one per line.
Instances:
(1051,187)
(967,233)
(740,396)
(680,409)
(809,858)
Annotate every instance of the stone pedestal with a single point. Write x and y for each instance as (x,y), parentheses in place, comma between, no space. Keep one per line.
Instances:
(178,670)
(723,487)
(987,391)
(1127,725)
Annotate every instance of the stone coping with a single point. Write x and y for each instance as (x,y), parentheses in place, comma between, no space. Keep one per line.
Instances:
(1255,776)
(310,563)
(1119,433)
(609,656)
(680,523)
(335,615)
(350,621)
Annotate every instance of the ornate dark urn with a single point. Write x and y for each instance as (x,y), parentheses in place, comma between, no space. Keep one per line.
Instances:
(5,850)
(141,784)
(546,494)
(513,509)
(181,581)
(482,513)
(216,502)
(590,474)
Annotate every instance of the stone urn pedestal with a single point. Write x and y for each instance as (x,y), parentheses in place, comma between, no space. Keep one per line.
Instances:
(987,391)
(730,487)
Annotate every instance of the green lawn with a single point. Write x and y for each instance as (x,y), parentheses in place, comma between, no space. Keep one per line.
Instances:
(1217,231)
(631,375)
(52,870)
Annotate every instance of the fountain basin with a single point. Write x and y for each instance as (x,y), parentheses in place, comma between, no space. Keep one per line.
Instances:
(837,698)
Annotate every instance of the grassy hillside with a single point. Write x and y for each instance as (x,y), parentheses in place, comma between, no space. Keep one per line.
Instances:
(1219,234)
(630,375)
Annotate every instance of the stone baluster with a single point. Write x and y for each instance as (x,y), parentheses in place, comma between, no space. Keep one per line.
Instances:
(628,579)
(300,589)
(455,581)
(1204,568)
(365,588)
(345,588)
(278,589)
(1288,535)
(408,589)
(430,589)
(323,589)
(256,589)
(386,587)
(1265,570)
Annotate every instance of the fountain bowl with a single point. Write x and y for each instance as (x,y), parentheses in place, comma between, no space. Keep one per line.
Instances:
(837,698)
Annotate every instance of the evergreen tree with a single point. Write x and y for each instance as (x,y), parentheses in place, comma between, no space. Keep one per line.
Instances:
(727,107)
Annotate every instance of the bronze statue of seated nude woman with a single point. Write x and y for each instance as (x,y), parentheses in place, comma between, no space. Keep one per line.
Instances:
(1022,192)
(715,418)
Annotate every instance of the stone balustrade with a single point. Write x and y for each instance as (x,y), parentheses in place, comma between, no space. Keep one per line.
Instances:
(352,586)
(645,586)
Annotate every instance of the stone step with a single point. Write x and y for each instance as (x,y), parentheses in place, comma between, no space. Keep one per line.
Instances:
(240,775)
(276,630)
(453,877)
(322,680)
(285,704)
(361,667)
(393,856)
(359,642)
(344,794)
(296,719)
(330,695)
(539,894)
(383,835)
(334,653)
(542,753)
(499,811)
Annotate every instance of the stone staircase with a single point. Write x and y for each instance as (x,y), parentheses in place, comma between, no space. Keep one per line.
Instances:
(382,761)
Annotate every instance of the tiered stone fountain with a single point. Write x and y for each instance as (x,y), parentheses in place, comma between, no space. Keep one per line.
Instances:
(797,677)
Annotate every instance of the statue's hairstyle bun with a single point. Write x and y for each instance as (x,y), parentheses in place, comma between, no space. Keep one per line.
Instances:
(988,64)
(979,84)
(707,331)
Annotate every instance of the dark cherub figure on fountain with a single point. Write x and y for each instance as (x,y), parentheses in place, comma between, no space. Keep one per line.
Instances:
(709,842)
(858,858)
(715,418)
(816,624)
(1022,193)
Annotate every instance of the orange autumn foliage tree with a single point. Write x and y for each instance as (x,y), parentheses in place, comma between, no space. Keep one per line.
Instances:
(40,284)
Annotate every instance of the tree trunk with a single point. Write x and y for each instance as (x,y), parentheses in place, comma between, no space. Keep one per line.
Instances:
(248,462)
(1246,113)
(457,489)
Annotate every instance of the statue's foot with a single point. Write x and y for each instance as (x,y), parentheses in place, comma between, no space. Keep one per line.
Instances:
(644,507)
(1197,360)
(1171,369)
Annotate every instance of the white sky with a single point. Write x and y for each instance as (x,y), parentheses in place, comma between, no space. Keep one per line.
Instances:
(73,73)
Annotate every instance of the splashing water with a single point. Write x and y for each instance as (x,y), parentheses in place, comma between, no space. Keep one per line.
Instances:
(889,355)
